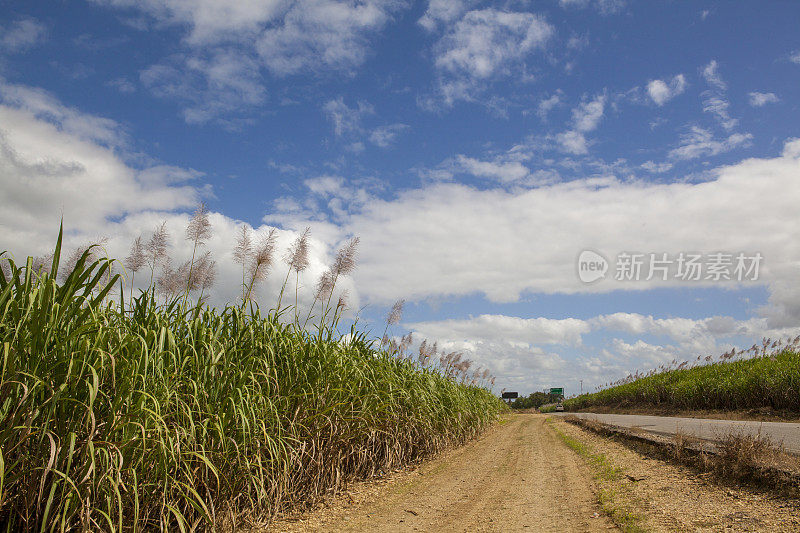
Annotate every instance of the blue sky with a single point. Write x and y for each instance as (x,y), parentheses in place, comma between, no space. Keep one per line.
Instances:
(476,148)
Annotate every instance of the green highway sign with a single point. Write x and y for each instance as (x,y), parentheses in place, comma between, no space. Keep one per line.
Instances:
(558,390)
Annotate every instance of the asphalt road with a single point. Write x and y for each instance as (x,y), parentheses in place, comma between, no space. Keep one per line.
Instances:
(786,434)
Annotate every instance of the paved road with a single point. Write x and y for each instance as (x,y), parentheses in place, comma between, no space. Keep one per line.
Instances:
(785,433)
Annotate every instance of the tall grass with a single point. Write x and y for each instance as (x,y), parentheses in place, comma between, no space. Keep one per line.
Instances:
(137,415)
(766,376)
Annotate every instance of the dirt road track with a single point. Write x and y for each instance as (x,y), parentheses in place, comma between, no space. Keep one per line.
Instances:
(492,484)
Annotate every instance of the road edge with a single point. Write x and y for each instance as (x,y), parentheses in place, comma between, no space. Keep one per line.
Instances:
(609,477)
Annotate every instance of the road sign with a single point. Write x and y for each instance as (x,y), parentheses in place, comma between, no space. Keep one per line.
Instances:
(510,395)
(557,390)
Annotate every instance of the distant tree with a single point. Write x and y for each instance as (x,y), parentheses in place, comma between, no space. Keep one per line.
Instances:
(535,399)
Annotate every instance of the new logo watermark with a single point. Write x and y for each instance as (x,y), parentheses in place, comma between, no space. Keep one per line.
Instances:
(683,266)
(591,266)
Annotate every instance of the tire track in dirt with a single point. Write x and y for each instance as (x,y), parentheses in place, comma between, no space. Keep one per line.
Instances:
(518,476)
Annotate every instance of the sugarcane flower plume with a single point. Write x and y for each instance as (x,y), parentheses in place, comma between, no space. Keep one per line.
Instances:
(263,256)
(324,286)
(345,260)
(244,245)
(297,254)
(136,258)
(199,228)
(396,314)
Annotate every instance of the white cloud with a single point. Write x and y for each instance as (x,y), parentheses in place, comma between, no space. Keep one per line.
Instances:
(712,76)
(714,101)
(122,84)
(758,99)
(547,104)
(572,142)
(57,162)
(794,57)
(503,243)
(346,119)
(532,353)
(43,106)
(385,136)
(348,122)
(442,12)
(483,45)
(209,21)
(229,43)
(585,118)
(656,168)
(439,240)
(700,142)
(209,86)
(324,34)
(719,107)
(503,171)
(500,328)
(485,42)
(21,34)
(661,92)
(605,7)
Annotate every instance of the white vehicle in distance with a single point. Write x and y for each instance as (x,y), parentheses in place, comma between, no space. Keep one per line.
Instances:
(559,407)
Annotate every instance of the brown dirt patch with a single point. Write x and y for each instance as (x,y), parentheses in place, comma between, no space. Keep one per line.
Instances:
(670,497)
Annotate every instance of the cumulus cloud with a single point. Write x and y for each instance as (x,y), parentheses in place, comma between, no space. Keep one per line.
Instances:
(758,99)
(53,159)
(438,240)
(573,142)
(661,92)
(532,353)
(500,328)
(57,162)
(504,243)
(585,118)
(42,105)
(484,45)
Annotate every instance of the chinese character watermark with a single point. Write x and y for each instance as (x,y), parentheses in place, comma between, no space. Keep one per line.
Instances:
(683,266)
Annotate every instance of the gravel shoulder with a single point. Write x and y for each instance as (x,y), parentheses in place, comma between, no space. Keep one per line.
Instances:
(670,497)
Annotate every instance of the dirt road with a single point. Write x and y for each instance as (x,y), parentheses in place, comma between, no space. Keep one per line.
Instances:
(518,477)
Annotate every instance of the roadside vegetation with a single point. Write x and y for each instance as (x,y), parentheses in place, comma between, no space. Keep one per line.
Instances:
(535,400)
(766,376)
(154,411)
(744,459)
(612,494)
